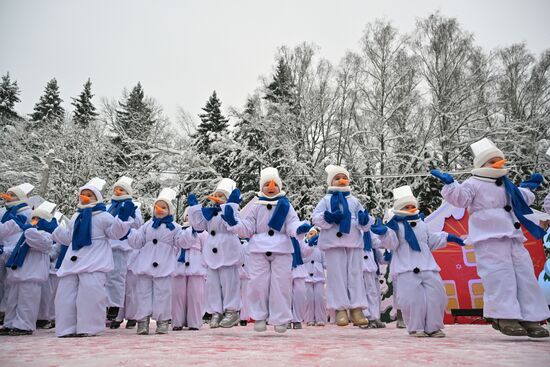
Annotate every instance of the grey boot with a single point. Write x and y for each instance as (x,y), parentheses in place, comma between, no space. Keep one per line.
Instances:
(376,324)
(215,320)
(162,327)
(534,329)
(230,319)
(509,327)
(143,326)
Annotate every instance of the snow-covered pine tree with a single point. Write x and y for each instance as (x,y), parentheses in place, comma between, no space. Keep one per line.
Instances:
(9,96)
(138,137)
(251,146)
(212,135)
(85,111)
(48,110)
(280,88)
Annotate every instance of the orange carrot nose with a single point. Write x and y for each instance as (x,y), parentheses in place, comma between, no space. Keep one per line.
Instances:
(499,164)
(215,199)
(343,181)
(85,199)
(271,185)
(159,210)
(34,221)
(413,210)
(6,197)
(119,192)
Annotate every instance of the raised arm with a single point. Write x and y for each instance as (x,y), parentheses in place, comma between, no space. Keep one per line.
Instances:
(39,240)
(318,216)
(136,237)
(244,227)
(8,229)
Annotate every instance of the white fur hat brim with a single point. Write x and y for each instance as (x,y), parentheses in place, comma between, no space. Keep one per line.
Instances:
(93,189)
(270,174)
(126,184)
(333,170)
(41,213)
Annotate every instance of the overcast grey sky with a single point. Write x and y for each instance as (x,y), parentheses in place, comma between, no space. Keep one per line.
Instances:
(182,50)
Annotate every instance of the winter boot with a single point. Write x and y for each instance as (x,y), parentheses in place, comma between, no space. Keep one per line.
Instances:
(342,318)
(418,334)
(215,320)
(358,318)
(162,327)
(437,334)
(534,329)
(112,313)
(143,326)
(130,324)
(280,328)
(230,319)
(509,327)
(260,325)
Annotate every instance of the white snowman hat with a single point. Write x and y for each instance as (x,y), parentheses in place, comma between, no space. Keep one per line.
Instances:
(125,183)
(332,170)
(22,191)
(226,186)
(483,151)
(96,186)
(403,196)
(167,195)
(268,174)
(45,211)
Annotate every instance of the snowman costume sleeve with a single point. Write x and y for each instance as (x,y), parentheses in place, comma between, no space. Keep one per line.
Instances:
(318,216)
(196,218)
(246,226)
(8,229)
(186,238)
(462,195)
(39,240)
(437,240)
(136,238)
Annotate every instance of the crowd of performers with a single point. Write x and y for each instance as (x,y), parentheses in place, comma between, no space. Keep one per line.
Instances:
(262,262)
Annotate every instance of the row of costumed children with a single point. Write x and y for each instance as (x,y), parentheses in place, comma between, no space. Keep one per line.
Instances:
(133,276)
(107,257)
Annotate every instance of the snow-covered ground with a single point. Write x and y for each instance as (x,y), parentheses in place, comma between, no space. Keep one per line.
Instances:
(465,345)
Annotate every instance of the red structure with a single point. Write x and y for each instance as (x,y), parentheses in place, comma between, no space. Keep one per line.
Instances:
(459,272)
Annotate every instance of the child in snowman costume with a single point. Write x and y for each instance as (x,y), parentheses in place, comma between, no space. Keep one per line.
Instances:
(316,303)
(46,312)
(157,242)
(189,277)
(15,207)
(244,315)
(497,210)
(116,279)
(372,257)
(299,275)
(342,220)
(222,254)
(270,223)
(421,295)
(28,267)
(81,298)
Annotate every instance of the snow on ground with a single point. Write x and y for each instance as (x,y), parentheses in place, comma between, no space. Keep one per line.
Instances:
(465,345)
